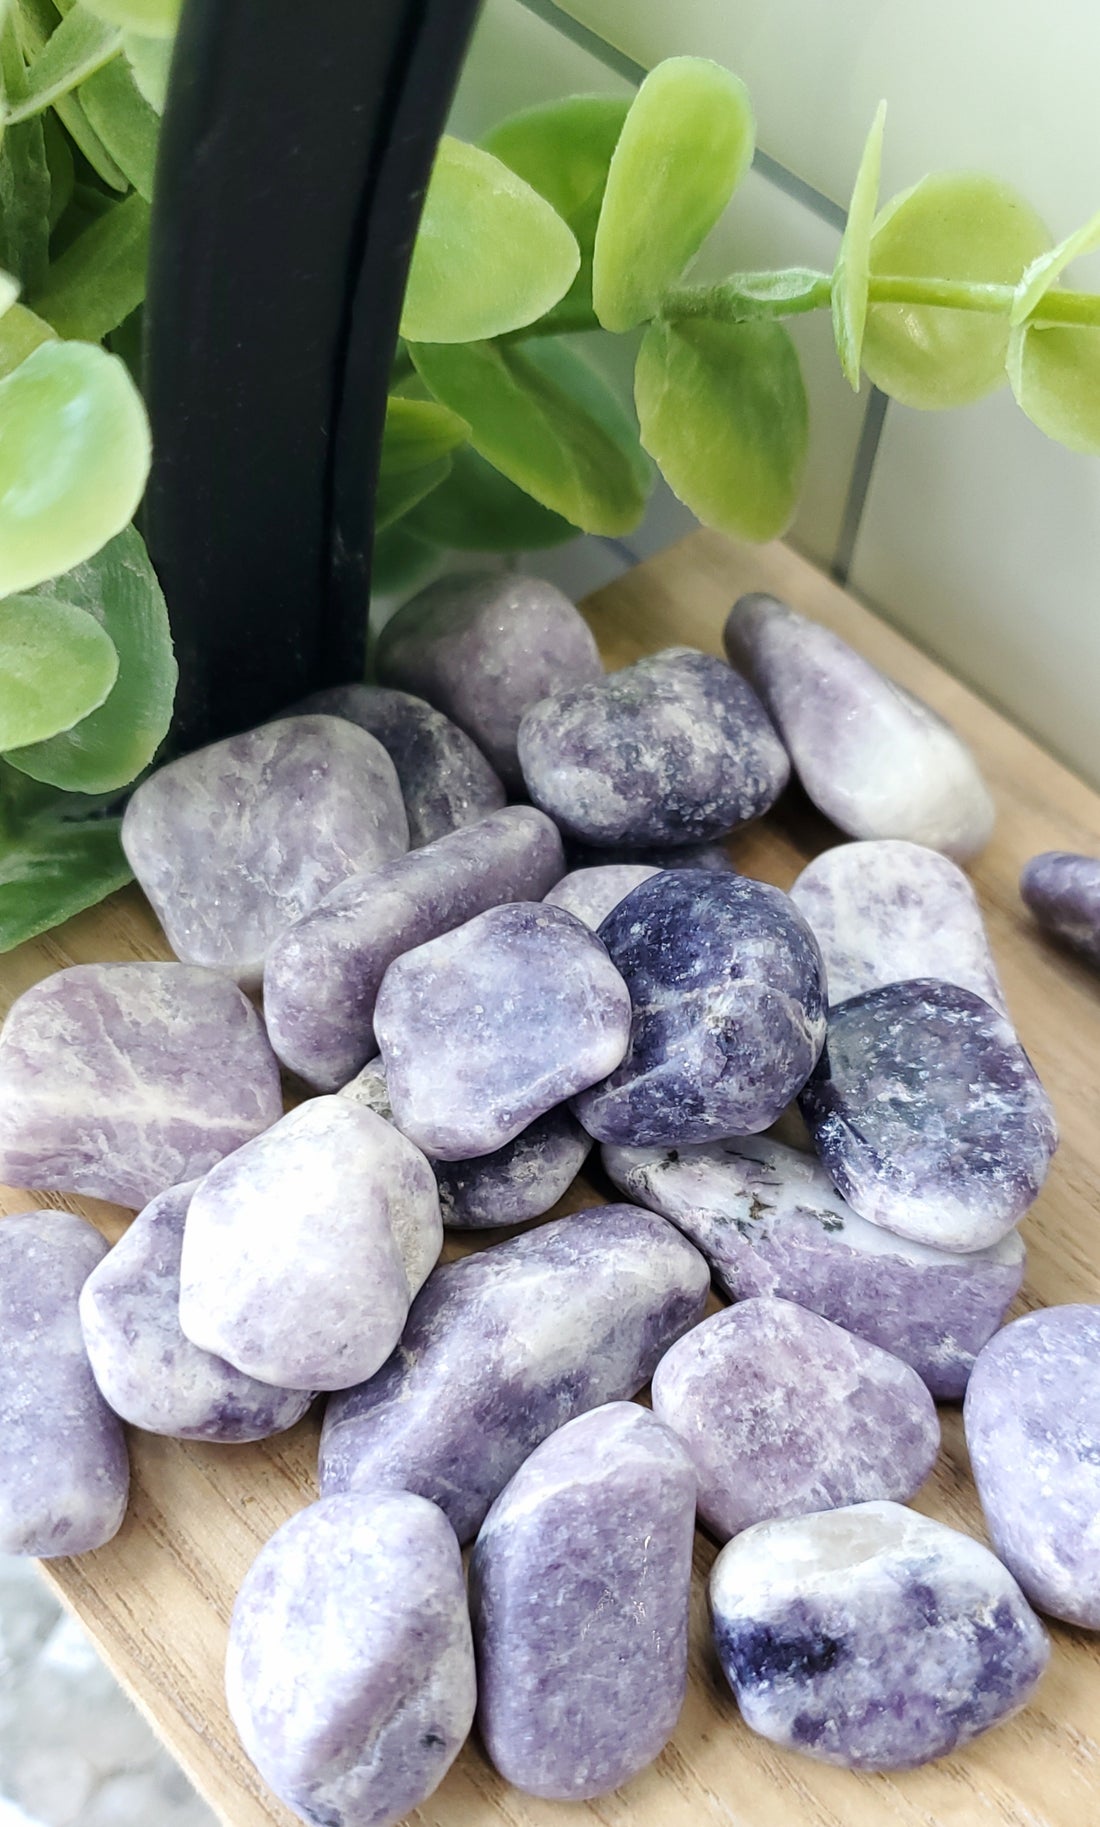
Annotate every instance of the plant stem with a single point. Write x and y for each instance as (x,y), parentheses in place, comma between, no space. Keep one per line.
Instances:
(1056,307)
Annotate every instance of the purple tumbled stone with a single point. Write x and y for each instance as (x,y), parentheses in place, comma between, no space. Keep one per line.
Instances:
(350,1668)
(64,1473)
(652,856)
(769,1221)
(728,1010)
(1063,892)
(928,1115)
(592,893)
(1033,1430)
(145,1367)
(872,1637)
(236,842)
(579,1589)
(482,648)
(676,749)
(118,1080)
(872,757)
(506,1345)
(322,978)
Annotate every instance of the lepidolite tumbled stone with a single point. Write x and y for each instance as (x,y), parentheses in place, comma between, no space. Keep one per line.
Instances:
(674,749)
(769,1221)
(728,1010)
(592,893)
(876,760)
(784,1413)
(1033,1430)
(507,1345)
(653,856)
(145,1367)
(350,1670)
(236,842)
(872,1637)
(64,1473)
(1063,892)
(490,1026)
(578,1692)
(928,1114)
(117,1080)
(322,978)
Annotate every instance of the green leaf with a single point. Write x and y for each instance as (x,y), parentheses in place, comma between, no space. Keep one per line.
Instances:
(87,204)
(490,253)
(79,46)
(150,60)
(24,179)
(21,332)
(852,273)
(538,413)
(1048,268)
(59,159)
(56,665)
(125,123)
(395,495)
(785,292)
(400,560)
(71,114)
(686,145)
(53,867)
(155,18)
(416,444)
(1055,374)
(478,510)
(949,226)
(723,410)
(100,278)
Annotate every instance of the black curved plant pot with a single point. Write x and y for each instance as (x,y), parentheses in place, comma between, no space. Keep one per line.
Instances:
(296,147)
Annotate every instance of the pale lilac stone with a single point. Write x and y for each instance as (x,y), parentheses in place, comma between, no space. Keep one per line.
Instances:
(579,1588)
(592,893)
(234,843)
(350,1669)
(928,1115)
(322,978)
(873,758)
(886,910)
(507,1345)
(676,749)
(118,1080)
(1063,892)
(769,1221)
(728,998)
(302,1251)
(481,648)
(64,1473)
(1033,1430)
(149,1372)
(490,1026)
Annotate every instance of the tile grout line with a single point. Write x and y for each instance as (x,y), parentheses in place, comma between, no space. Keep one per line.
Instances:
(859,485)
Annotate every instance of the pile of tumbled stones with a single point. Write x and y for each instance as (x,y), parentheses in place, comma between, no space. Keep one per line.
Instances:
(477,992)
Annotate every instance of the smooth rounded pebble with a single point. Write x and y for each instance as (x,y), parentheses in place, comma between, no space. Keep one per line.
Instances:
(1063,892)
(592,893)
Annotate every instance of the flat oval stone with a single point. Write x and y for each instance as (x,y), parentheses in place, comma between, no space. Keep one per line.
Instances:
(769,1221)
(505,1346)
(302,1251)
(149,1372)
(886,911)
(234,843)
(483,647)
(117,1080)
(592,893)
(1033,1430)
(1063,892)
(928,1114)
(322,978)
(576,1697)
(872,1637)
(783,1414)
(728,998)
(350,1669)
(490,1026)
(873,758)
(674,749)
(64,1473)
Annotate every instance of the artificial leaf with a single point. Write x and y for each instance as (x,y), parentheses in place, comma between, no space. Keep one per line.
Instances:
(416,444)
(54,867)
(1055,374)
(1048,268)
(87,204)
(80,45)
(59,160)
(154,18)
(722,408)
(396,494)
(685,146)
(24,179)
(70,112)
(20,333)
(100,278)
(56,665)
(400,560)
(478,510)
(784,292)
(125,123)
(852,273)
(150,60)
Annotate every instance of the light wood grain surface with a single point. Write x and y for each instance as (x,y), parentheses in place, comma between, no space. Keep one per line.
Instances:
(157,1598)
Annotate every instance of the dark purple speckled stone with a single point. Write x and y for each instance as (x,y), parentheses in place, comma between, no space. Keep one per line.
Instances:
(1063,892)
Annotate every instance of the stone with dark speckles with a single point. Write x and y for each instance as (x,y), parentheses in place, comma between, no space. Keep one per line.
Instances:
(1062,890)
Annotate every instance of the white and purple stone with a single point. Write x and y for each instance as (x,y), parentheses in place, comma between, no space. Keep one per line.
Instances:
(64,1472)
(873,758)
(579,1589)
(1062,890)
(488,1027)
(322,978)
(117,1080)
(769,1221)
(505,1346)
(676,749)
(234,843)
(592,893)
(727,993)
(149,1372)
(302,1251)
(783,1414)
(928,1114)
(483,647)
(1033,1431)
(872,1637)
(350,1668)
